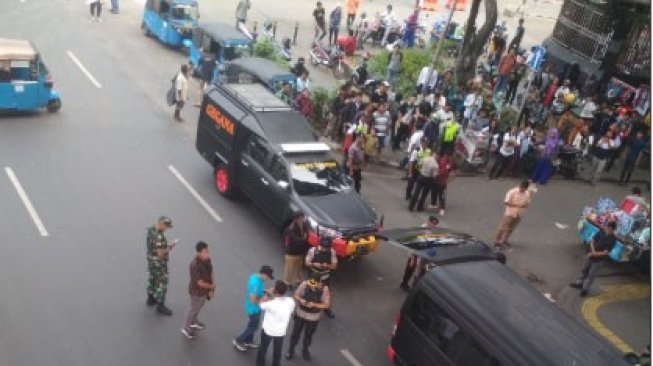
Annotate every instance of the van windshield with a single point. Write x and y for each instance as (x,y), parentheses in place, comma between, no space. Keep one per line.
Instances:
(185,12)
(318,178)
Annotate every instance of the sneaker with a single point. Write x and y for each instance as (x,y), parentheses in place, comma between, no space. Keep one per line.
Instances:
(98,19)
(576,285)
(239,346)
(187,333)
(252,345)
(441,212)
(198,325)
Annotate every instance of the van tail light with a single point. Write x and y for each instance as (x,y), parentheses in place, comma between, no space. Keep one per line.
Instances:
(49,81)
(391,353)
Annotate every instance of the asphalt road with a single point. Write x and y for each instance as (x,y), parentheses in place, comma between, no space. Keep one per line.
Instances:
(98,173)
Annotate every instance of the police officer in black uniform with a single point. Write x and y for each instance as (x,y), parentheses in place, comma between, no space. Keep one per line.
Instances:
(322,260)
(313,297)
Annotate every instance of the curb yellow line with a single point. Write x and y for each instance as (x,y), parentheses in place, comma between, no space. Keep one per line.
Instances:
(610,294)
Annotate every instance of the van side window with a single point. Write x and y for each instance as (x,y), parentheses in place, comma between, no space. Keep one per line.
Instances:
(257,150)
(439,328)
(278,170)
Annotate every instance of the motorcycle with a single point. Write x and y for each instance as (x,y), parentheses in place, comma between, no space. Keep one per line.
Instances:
(333,58)
(568,162)
(472,150)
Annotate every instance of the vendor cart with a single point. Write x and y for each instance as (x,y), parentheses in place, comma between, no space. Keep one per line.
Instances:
(633,229)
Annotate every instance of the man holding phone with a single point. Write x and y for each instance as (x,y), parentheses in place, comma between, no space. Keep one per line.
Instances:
(201,288)
(157,263)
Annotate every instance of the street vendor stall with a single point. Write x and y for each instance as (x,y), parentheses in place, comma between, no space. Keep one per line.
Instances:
(633,227)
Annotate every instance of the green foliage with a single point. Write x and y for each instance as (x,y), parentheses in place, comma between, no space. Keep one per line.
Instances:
(320,98)
(264,48)
(507,118)
(413,62)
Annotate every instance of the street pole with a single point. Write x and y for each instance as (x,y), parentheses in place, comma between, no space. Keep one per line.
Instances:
(438,48)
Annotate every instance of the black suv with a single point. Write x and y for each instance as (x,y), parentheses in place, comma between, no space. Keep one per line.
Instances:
(263,149)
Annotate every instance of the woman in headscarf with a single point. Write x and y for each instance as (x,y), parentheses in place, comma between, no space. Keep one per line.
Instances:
(544,167)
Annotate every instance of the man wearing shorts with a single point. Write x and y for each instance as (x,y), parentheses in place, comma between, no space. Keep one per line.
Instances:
(516,201)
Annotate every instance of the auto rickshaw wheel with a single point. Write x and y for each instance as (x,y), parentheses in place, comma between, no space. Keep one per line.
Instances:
(54,105)
(145,30)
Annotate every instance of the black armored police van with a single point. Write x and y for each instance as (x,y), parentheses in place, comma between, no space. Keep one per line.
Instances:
(468,309)
(263,149)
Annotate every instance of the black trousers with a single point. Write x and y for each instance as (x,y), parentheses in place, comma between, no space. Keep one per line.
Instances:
(402,134)
(499,165)
(411,184)
(308,326)
(437,194)
(96,9)
(627,170)
(277,345)
(333,34)
(447,148)
(358,177)
(421,191)
(512,90)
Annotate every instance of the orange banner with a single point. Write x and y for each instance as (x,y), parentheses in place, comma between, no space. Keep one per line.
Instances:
(428,5)
(460,5)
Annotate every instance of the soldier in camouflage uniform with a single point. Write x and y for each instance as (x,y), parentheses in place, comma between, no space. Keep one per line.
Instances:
(157,264)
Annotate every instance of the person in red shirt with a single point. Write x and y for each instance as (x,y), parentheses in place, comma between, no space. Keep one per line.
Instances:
(303,104)
(445,166)
(348,43)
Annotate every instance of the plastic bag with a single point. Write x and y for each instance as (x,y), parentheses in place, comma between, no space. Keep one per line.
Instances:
(605,204)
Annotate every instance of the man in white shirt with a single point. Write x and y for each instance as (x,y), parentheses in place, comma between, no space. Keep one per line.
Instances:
(381,124)
(302,82)
(473,103)
(181,91)
(506,153)
(278,310)
(563,90)
(389,20)
(427,79)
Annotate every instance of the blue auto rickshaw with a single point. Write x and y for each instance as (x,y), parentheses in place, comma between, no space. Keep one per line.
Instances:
(171,21)
(25,83)
(213,44)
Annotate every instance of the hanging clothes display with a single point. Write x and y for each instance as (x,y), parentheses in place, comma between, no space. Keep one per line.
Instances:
(642,99)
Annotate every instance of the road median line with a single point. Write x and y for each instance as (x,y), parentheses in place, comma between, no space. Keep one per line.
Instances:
(352,360)
(194,193)
(84,70)
(26,201)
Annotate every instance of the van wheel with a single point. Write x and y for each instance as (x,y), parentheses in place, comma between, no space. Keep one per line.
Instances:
(223,181)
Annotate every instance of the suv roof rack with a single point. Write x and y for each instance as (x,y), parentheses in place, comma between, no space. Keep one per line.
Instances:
(256,97)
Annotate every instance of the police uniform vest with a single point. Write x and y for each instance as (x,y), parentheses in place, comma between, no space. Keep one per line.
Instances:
(450,131)
(314,295)
(421,155)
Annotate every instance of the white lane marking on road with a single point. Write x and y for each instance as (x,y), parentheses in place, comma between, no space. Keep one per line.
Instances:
(352,360)
(26,201)
(84,70)
(194,193)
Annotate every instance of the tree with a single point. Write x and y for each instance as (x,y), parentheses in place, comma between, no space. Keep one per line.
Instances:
(474,41)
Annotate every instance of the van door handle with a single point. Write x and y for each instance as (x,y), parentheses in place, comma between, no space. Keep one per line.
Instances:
(265,181)
(245,163)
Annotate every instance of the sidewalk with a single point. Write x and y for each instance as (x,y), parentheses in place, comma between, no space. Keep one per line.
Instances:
(618,309)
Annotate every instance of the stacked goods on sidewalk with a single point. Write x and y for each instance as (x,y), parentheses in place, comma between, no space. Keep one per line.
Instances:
(633,226)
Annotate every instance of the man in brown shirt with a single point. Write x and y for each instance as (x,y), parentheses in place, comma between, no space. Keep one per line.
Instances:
(506,65)
(201,288)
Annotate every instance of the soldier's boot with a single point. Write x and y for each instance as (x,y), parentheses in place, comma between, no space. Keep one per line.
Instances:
(163,310)
(151,301)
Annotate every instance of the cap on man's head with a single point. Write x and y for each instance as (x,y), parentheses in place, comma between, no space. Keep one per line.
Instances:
(165,220)
(267,270)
